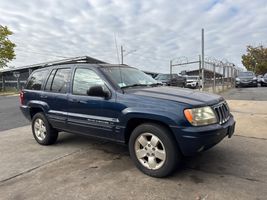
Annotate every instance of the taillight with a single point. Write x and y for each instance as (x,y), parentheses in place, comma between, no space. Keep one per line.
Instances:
(21,97)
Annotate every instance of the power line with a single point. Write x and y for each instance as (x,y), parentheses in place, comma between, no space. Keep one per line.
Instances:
(40,53)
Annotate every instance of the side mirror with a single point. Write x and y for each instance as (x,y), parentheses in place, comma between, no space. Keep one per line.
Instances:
(98,91)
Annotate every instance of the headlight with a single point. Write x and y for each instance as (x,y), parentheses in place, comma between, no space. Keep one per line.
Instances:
(255,78)
(200,116)
(237,79)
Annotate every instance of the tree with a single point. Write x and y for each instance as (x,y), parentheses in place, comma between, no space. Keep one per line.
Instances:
(256,59)
(7,52)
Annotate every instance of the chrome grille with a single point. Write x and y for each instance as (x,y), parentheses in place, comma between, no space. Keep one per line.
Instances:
(222,112)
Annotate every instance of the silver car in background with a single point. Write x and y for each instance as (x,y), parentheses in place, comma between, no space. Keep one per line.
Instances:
(193,82)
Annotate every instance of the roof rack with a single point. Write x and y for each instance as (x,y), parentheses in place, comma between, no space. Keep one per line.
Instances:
(82,59)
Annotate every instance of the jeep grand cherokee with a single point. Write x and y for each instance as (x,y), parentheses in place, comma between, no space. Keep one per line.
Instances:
(116,102)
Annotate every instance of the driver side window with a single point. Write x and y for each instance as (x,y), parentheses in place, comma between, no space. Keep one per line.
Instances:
(84,79)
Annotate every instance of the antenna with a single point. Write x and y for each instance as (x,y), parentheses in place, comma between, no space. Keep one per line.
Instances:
(115,40)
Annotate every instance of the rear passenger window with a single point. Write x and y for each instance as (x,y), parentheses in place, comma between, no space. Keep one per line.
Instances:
(60,81)
(36,81)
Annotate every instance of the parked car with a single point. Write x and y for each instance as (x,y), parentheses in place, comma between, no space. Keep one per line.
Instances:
(171,80)
(193,82)
(246,79)
(259,78)
(264,80)
(122,104)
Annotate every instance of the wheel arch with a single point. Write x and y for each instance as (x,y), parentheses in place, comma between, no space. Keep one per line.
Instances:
(37,106)
(136,121)
(34,110)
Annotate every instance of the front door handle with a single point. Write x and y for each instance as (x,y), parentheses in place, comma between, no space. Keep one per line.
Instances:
(75,100)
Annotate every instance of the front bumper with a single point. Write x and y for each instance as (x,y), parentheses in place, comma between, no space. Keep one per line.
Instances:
(264,83)
(247,84)
(191,85)
(192,140)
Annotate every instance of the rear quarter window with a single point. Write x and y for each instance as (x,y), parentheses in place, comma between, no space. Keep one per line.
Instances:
(36,80)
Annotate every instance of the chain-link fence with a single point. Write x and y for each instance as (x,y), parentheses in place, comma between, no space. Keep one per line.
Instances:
(14,80)
(215,75)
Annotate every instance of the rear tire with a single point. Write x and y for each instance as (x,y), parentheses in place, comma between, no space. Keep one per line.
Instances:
(42,131)
(153,150)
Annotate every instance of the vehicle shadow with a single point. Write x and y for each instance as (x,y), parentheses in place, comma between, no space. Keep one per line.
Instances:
(220,161)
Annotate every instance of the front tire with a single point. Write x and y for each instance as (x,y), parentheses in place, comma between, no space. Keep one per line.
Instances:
(153,150)
(42,131)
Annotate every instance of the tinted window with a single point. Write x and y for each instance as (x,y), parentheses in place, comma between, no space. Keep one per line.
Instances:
(84,79)
(36,81)
(60,81)
(49,81)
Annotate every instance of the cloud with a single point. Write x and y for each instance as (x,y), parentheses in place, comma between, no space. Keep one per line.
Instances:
(157,30)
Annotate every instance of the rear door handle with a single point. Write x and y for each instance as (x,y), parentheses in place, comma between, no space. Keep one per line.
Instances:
(43,96)
(75,100)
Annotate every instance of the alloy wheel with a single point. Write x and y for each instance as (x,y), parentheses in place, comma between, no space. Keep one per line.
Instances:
(150,151)
(40,129)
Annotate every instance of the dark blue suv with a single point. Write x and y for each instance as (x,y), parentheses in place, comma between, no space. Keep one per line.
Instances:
(122,104)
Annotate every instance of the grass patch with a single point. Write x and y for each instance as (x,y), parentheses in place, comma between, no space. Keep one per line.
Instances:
(9,91)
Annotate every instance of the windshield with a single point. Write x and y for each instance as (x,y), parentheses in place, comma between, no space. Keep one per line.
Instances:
(191,78)
(265,75)
(246,74)
(163,77)
(127,76)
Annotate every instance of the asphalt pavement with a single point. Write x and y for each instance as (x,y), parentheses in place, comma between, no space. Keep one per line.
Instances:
(10,114)
(251,93)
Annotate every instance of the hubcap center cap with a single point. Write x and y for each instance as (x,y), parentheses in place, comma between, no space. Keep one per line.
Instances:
(150,149)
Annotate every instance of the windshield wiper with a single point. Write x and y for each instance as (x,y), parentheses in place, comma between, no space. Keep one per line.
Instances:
(134,85)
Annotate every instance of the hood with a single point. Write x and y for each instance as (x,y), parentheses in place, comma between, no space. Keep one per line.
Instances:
(186,96)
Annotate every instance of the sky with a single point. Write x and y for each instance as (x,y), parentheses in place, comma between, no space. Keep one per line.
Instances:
(152,32)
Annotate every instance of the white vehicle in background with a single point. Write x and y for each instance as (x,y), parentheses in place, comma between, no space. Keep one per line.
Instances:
(193,82)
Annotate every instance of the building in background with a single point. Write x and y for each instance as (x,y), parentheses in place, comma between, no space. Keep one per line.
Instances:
(15,78)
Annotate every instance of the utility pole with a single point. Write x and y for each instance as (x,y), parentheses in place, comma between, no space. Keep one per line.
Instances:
(199,73)
(122,54)
(171,68)
(202,60)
